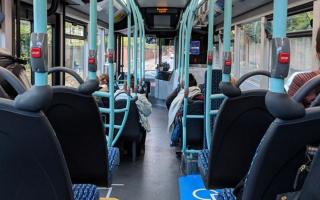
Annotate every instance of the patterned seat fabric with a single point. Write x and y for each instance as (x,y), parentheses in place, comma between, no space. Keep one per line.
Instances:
(85,192)
(203,162)
(224,194)
(114,158)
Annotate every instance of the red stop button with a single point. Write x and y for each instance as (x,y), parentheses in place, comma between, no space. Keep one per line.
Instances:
(228,63)
(35,52)
(92,60)
(284,58)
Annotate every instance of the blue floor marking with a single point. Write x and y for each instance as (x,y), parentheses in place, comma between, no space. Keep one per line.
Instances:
(192,188)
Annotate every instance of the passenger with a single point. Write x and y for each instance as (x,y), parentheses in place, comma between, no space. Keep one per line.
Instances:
(301,78)
(194,93)
(143,104)
(104,82)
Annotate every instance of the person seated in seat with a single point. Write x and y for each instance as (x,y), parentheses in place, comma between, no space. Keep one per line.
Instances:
(104,82)
(176,108)
(300,79)
(143,104)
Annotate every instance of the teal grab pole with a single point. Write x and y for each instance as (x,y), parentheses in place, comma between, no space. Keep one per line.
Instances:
(126,114)
(279,31)
(183,44)
(142,43)
(186,72)
(209,73)
(92,71)
(226,77)
(40,16)
(135,49)
(111,72)
(179,51)
(40,26)
(136,11)
(143,50)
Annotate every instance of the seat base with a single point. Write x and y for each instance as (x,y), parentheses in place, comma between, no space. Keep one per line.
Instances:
(203,164)
(85,192)
(114,161)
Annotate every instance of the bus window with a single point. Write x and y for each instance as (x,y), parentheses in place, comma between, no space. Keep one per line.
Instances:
(250,46)
(75,51)
(168,53)
(151,54)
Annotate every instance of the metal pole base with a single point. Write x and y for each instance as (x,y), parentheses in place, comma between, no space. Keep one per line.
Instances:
(189,164)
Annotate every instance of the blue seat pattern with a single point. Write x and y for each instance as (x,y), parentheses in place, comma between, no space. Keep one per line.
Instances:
(85,192)
(203,162)
(114,158)
(224,194)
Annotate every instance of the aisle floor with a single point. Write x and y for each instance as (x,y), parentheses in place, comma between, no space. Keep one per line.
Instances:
(153,176)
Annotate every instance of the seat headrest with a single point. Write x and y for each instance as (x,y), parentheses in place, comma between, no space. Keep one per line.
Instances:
(89,87)
(34,99)
(282,106)
(229,89)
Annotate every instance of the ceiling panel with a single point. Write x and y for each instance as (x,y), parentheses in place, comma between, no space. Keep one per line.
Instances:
(163,3)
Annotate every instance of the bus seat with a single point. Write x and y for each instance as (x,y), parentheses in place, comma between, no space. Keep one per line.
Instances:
(85,192)
(133,132)
(216,79)
(239,127)
(311,186)
(194,127)
(77,122)
(32,163)
(280,155)
(310,190)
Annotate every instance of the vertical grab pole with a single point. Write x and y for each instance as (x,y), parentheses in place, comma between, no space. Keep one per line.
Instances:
(135,48)
(129,50)
(39,43)
(227,60)
(281,47)
(183,46)
(92,62)
(128,85)
(141,44)
(179,51)
(143,49)
(111,72)
(186,80)
(209,73)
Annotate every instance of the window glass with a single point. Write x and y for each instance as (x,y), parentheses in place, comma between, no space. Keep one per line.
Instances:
(250,48)
(168,53)
(300,22)
(295,23)
(101,52)
(75,52)
(75,58)
(301,54)
(125,54)
(74,29)
(151,55)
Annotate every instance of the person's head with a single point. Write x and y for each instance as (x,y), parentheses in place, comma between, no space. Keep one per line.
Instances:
(318,43)
(192,81)
(104,79)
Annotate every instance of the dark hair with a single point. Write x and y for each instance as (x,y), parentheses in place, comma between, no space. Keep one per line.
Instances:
(192,81)
(318,42)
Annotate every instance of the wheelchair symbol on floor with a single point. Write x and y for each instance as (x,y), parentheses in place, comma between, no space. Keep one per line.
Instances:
(204,194)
